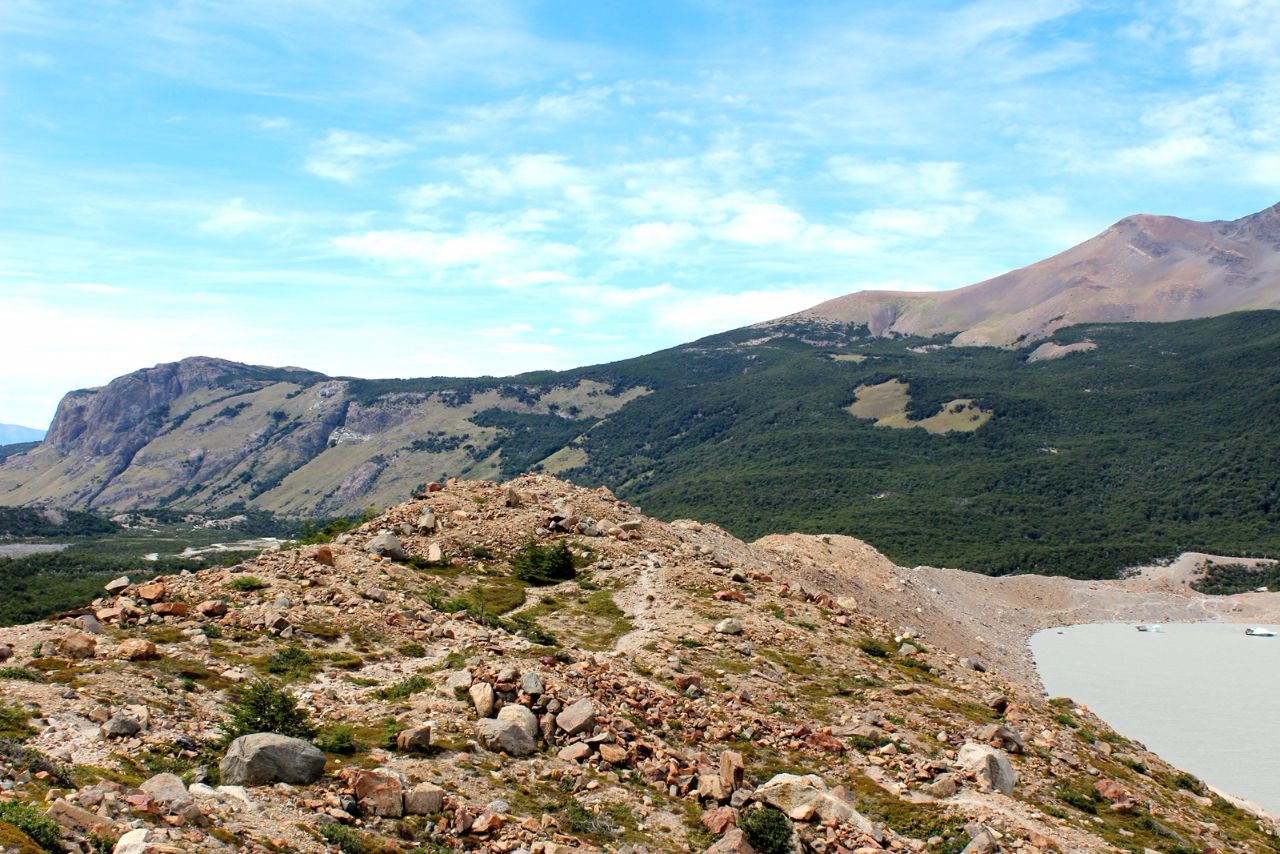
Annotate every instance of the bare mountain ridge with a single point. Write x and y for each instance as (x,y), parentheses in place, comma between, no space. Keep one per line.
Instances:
(1143,268)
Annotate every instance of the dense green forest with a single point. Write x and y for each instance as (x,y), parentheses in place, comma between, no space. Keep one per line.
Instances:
(1227,579)
(37,522)
(1165,438)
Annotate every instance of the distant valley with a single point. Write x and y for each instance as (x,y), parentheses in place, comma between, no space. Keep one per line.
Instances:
(1087,442)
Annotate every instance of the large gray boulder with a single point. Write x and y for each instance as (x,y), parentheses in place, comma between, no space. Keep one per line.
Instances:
(265,757)
(522,717)
(580,717)
(386,544)
(505,737)
(990,766)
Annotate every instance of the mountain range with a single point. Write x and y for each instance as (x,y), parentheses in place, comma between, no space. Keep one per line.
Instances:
(1026,423)
(12,434)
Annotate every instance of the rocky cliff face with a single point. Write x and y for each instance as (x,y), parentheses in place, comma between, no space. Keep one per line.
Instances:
(1143,268)
(686,692)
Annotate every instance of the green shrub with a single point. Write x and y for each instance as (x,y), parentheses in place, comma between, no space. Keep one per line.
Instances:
(767,829)
(539,565)
(263,706)
(292,662)
(23,673)
(412,650)
(875,648)
(34,823)
(13,723)
(339,739)
(404,689)
(247,583)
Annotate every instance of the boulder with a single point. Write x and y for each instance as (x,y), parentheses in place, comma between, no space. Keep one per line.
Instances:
(435,554)
(990,766)
(78,645)
(211,608)
(614,754)
(166,788)
(505,737)
(379,792)
(729,626)
(136,649)
(522,717)
(942,786)
(734,841)
(1005,737)
(89,624)
(134,842)
(531,684)
(76,819)
(170,609)
(424,799)
(575,752)
(459,682)
(482,697)
(580,717)
(805,798)
(116,585)
(386,544)
(266,757)
(121,725)
(324,556)
(427,521)
(414,739)
(152,592)
(6,652)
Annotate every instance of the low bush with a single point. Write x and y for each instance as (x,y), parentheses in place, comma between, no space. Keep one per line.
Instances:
(767,829)
(30,820)
(247,583)
(263,706)
(541,565)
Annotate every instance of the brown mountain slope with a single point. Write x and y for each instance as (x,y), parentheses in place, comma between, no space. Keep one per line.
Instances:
(1143,268)
(696,679)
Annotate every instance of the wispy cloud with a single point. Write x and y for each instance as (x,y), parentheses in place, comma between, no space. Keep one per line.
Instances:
(345,155)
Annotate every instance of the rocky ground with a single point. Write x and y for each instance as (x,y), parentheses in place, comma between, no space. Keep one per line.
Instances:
(685,691)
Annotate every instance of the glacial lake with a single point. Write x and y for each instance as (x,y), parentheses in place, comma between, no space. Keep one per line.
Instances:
(1204,696)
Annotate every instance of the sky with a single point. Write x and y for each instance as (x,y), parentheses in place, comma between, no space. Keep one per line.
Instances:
(394,189)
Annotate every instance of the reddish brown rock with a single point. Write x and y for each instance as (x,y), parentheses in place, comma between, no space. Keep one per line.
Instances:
(212,608)
(136,649)
(614,754)
(324,555)
(78,645)
(733,842)
(152,592)
(171,609)
(730,596)
(379,792)
(719,820)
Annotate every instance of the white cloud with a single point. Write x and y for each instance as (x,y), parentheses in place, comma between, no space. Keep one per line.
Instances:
(429,248)
(429,195)
(918,222)
(763,222)
(98,288)
(1173,151)
(654,237)
(232,218)
(703,314)
(931,178)
(344,155)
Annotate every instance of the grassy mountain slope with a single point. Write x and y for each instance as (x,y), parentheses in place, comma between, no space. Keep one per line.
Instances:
(1160,439)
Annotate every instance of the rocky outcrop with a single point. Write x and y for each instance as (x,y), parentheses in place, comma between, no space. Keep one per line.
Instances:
(264,757)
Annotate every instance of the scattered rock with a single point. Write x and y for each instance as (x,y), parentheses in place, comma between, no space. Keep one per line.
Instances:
(153,592)
(730,626)
(166,788)
(78,645)
(414,739)
(424,799)
(379,792)
(482,697)
(121,725)
(521,717)
(116,585)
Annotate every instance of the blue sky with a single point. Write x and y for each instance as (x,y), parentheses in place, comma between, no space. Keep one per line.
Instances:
(410,189)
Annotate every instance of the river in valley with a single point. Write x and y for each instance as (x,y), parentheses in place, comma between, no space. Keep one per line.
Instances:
(1204,696)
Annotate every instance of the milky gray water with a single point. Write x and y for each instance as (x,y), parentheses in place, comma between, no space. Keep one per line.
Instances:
(1204,696)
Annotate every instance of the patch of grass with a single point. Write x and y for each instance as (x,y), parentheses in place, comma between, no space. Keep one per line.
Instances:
(917,821)
(165,634)
(291,663)
(319,629)
(404,689)
(348,840)
(338,739)
(13,839)
(43,830)
(412,650)
(875,648)
(13,723)
(24,674)
(246,583)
